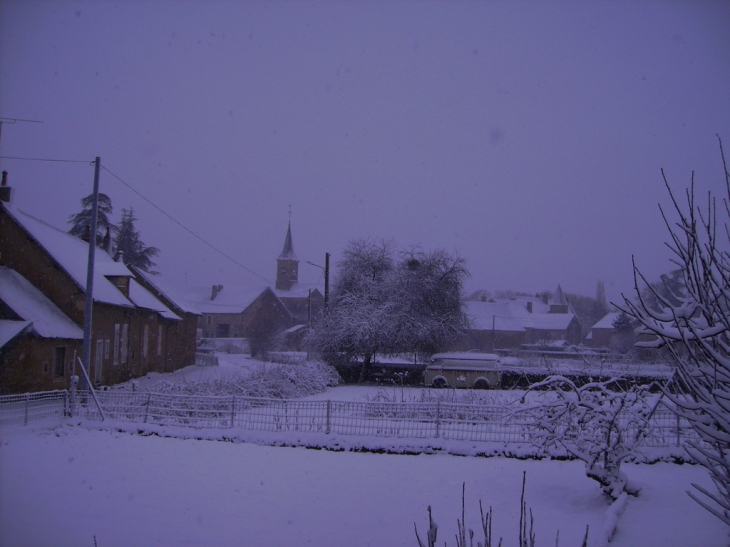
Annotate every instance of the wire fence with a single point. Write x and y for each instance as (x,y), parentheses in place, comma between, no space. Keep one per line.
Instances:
(47,406)
(451,421)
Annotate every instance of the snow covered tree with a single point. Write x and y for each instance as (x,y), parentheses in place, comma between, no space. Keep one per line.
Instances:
(670,287)
(426,302)
(81,221)
(694,327)
(127,241)
(380,305)
(600,423)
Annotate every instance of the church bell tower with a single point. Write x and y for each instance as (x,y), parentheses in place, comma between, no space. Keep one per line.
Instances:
(287,265)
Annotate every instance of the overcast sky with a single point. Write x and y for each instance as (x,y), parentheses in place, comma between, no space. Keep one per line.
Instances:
(526,136)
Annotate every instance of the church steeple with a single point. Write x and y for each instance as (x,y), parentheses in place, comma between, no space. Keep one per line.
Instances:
(287,265)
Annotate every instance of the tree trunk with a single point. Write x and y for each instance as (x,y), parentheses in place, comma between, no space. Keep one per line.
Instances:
(365,369)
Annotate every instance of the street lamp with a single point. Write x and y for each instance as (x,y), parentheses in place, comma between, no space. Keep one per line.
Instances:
(326,277)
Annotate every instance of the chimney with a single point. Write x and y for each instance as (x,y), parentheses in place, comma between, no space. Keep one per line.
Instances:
(529,306)
(5,190)
(216,290)
(119,256)
(87,234)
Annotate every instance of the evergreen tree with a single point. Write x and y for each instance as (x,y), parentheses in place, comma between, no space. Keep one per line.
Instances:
(601,304)
(134,252)
(622,324)
(81,221)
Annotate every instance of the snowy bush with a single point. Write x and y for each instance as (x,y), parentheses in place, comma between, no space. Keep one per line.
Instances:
(598,423)
(691,321)
(274,382)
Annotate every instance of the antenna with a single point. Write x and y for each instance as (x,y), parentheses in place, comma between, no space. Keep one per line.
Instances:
(12,121)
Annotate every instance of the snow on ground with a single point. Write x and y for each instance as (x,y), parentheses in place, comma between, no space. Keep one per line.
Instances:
(63,486)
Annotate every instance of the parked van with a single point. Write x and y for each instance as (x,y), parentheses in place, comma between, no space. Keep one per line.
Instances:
(474,370)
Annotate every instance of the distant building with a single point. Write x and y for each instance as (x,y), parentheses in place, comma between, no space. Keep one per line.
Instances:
(602,332)
(519,321)
(248,311)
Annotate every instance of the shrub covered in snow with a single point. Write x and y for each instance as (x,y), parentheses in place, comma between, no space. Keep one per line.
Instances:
(597,423)
(277,382)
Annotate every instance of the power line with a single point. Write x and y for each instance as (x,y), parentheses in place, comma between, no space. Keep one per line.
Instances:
(90,162)
(216,249)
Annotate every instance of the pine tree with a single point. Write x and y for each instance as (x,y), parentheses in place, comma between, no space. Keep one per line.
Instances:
(601,304)
(81,221)
(134,252)
(622,324)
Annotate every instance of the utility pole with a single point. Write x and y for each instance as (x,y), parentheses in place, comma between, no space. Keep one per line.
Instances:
(89,301)
(326,280)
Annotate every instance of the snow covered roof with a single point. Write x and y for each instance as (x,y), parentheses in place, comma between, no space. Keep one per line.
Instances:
(514,316)
(606,322)
(172,295)
(300,290)
(10,329)
(72,255)
(33,306)
(229,299)
(492,315)
(145,299)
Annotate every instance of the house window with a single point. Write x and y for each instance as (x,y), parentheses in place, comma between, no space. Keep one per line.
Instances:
(123,343)
(107,343)
(59,362)
(145,340)
(209,320)
(159,340)
(116,344)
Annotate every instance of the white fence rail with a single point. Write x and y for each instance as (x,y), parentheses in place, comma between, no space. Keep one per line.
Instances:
(379,419)
(47,406)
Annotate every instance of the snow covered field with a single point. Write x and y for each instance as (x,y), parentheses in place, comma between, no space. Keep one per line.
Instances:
(63,486)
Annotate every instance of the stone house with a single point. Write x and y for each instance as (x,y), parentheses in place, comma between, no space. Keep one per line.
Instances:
(130,327)
(38,341)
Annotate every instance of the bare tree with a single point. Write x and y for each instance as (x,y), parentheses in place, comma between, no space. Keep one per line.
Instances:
(694,326)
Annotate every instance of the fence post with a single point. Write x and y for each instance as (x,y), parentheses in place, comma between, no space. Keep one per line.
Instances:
(72,395)
(147,407)
(327,430)
(438,418)
(65,405)
(27,404)
(233,409)
(679,434)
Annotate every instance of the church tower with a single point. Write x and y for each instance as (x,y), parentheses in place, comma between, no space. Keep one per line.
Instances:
(287,265)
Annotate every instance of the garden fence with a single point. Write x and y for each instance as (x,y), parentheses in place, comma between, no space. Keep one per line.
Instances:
(27,408)
(451,421)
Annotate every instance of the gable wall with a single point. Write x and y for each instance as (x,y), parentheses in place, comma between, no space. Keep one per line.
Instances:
(20,252)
